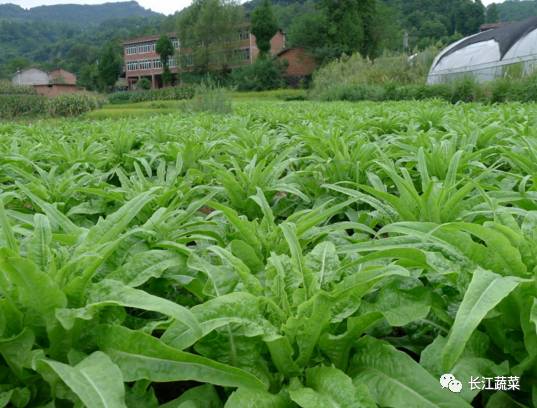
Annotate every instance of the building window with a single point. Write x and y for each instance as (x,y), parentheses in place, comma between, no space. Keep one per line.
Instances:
(244,34)
(187,60)
(242,54)
(146,64)
(140,49)
(175,43)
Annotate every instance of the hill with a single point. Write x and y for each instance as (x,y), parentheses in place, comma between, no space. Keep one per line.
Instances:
(75,14)
(70,36)
(516,10)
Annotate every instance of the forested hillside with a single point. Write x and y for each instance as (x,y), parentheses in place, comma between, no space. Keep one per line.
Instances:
(426,21)
(70,36)
(514,10)
(75,14)
(73,36)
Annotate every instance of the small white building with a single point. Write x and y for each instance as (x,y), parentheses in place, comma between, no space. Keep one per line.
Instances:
(510,50)
(30,77)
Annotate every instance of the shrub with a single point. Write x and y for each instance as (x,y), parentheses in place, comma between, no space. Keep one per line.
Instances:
(171,93)
(389,68)
(17,101)
(466,89)
(262,75)
(500,90)
(210,97)
(143,84)
(526,90)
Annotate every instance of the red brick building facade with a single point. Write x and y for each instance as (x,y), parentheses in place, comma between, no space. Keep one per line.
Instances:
(142,60)
(300,64)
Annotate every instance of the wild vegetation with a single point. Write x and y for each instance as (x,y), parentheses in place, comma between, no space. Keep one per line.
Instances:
(164,94)
(21,101)
(288,255)
(397,77)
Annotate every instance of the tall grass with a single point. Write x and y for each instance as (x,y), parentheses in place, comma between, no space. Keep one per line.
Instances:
(209,96)
(463,89)
(390,68)
(170,93)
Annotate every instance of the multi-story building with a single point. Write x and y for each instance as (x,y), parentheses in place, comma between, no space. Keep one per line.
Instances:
(142,60)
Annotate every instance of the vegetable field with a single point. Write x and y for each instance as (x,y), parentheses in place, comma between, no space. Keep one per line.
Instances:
(289,255)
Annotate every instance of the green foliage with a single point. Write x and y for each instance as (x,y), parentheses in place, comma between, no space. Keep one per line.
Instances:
(143,84)
(437,20)
(49,37)
(170,93)
(210,97)
(263,74)
(166,50)
(16,102)
(13,105)
(395,77)
(264,26)
(7,88)
(389,68)
(309,31)
(209,29)
(73,104)
(60,13)
(109,67)
(516,10)
(344,27)
(492,13)
(286,255)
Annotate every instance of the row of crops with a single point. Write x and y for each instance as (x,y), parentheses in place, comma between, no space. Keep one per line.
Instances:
(290,255)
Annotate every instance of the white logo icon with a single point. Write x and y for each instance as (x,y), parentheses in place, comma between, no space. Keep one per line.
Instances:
(450,382)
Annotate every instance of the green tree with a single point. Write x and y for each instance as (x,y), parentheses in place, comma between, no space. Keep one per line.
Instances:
(109,66)
(209,29)
(469,16)
(17,63)
(309,30)
(263,74)
(493,15)
(372,28)
(165,49)
(89,77)
(264,26)
(345,27)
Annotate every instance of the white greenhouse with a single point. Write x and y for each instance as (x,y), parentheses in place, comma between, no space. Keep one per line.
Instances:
(510,50)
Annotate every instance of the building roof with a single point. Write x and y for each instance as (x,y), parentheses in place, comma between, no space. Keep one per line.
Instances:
(490,26)
(147,38)
(62,77)
(506,36)
(56,77)
(286,50)
(484,55)
(30,76)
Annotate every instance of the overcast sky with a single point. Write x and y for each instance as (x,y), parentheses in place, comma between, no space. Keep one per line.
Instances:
(162,6)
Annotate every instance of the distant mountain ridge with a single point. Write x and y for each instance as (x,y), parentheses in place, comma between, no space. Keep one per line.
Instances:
(76,14)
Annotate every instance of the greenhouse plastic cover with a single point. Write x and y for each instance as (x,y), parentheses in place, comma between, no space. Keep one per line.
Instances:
(485,54)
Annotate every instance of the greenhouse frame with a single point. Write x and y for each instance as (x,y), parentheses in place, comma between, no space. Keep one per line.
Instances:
(507,51)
